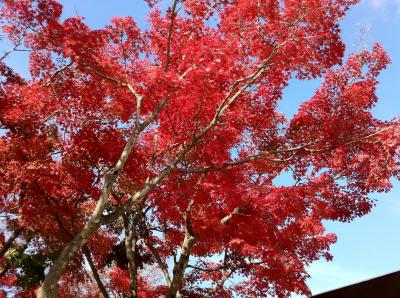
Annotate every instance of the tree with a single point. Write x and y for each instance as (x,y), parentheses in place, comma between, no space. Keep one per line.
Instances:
(142,161)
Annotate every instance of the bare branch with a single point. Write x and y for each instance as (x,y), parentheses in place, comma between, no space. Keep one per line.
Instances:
(56,73)
(160,262)
(14,49)
(171,28)
(138,96)
(10,241)
(227,218)
(96,275)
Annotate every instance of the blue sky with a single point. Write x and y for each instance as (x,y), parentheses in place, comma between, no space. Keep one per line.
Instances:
(369,246)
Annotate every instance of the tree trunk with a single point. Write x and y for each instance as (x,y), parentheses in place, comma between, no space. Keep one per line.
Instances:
(181,265)
(131,251)
(49,288)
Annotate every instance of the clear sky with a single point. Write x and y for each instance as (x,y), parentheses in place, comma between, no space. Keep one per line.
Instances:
(369,246)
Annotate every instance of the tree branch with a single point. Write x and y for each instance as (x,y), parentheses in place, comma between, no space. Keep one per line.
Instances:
(219,284)
(56,73)
(227,218)
(14,49)
(161,264)
(292,151)
(186,248)
(171,28)
(96,275)
(10,241)
(225,104)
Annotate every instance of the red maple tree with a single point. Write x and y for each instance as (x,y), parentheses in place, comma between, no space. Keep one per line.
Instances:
(141,162)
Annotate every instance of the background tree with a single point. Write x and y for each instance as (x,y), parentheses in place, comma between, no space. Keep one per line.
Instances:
(143,161)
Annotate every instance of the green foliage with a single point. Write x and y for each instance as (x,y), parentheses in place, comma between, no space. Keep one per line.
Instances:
(30,267)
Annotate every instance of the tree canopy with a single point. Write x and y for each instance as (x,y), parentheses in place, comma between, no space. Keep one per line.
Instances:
(141,162)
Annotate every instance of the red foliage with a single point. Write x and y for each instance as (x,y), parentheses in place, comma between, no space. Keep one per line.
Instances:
(63,130)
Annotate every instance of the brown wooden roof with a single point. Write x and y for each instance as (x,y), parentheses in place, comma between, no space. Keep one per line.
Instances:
(386,286)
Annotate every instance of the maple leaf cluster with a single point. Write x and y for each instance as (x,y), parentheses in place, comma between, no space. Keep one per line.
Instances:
(141,162)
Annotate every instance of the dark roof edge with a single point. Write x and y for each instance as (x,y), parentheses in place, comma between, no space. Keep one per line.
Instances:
(356,283)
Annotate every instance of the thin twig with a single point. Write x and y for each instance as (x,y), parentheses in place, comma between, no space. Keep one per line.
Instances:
(171,28)
(56,73)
